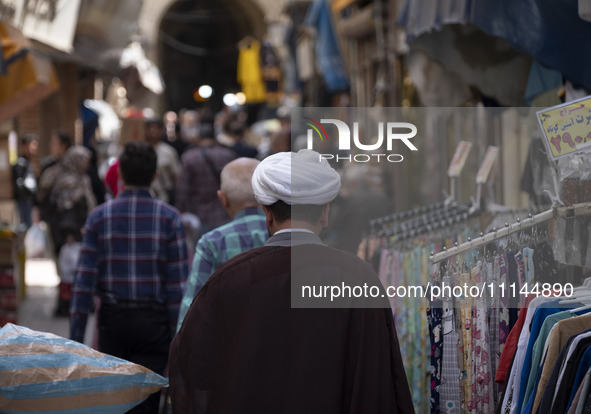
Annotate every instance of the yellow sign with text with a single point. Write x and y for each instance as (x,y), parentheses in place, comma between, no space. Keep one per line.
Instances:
(566,127)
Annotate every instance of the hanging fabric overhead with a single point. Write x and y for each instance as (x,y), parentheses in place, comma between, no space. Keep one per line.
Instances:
(249,70)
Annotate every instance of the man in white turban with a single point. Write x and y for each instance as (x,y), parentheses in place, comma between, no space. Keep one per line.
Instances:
(253,340)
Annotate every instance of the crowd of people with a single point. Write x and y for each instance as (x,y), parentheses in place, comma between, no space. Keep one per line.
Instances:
(214,312)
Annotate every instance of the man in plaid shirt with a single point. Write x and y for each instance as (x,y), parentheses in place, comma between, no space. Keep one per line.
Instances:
(247,230)
(134,257)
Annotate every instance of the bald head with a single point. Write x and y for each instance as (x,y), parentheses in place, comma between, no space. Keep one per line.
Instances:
(236,186)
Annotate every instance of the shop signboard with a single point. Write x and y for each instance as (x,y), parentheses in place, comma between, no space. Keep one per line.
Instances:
(52,22)
(566,127)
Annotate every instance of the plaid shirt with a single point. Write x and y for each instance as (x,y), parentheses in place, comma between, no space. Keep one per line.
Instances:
(133,250)
(247,231)
(197,185)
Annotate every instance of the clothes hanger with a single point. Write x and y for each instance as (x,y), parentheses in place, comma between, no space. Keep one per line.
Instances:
(580,309)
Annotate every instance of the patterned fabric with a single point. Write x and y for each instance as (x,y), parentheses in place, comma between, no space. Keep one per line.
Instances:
(247,230)
(482,383)
(493,327)
(411,268)
(133,250)
(198,184)
(464,326)
(504,324)
(520,273)
(528,259)
(449,399)
(434,318)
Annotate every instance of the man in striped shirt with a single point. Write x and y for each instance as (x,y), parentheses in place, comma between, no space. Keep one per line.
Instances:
(134,257)
(247,230)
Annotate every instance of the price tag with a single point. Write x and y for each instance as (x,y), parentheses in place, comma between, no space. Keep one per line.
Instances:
(459,159)
(567,127)
(490,159)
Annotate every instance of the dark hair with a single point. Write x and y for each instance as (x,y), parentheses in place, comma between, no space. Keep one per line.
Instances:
(154,121)
(206,129)
(28,138)
(138,164)
(307,212)
(63,137)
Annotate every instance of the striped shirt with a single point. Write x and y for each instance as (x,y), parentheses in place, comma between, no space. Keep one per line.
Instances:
(133,249)
(246,231)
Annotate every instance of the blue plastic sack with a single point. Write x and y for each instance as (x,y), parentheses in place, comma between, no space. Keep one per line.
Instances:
(44,373)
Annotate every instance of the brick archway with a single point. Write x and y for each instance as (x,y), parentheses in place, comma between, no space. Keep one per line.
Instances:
(195,43)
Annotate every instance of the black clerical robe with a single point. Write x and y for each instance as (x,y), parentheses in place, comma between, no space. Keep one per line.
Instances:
(242,348)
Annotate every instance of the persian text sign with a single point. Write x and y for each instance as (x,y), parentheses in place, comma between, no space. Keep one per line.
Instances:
(566,127)
(52,22)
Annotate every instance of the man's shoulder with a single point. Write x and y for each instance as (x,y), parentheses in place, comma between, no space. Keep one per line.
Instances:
(238,226)
(278,259)
(221,151)
(262,259)
(326,255)
(167,150)
(122,204)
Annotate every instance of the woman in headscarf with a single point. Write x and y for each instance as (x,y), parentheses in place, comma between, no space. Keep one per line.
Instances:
(71,198)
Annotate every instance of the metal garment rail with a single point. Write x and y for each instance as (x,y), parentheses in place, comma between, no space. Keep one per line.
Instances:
(494,235)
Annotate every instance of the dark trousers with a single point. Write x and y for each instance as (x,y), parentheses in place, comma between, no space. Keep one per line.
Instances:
(139,334)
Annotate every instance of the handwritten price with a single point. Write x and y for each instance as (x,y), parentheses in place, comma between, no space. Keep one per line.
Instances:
(567,139)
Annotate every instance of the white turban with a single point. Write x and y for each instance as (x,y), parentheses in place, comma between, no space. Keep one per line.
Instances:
(295,178)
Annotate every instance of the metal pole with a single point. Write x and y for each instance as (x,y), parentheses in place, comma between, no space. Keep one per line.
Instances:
(493,235)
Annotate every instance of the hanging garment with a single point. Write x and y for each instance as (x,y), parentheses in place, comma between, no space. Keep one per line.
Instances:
(434,319)
(449,398)
(482,391)
(493,328)
(271,73)
(528,260)
(501,266)
(538,350)
(555,395)
(249,72)
(540,315)
(563,330)
(328,53)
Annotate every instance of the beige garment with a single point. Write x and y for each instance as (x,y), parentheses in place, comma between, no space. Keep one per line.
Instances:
(562,331)
(168,169)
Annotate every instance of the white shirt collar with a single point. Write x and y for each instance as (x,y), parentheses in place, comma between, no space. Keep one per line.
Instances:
(295,229)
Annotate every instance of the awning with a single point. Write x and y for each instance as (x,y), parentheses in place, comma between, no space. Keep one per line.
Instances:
(27,77)
(550,31)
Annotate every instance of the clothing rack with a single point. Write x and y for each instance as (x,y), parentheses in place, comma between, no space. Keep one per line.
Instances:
(403,215)
(412,223)
(521,224)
